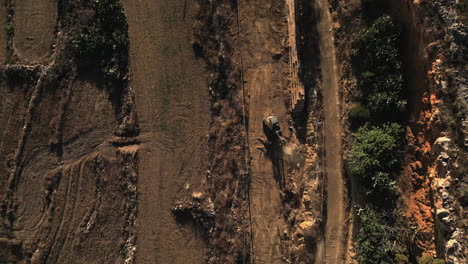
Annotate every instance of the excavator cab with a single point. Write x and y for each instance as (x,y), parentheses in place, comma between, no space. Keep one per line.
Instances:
(272,129)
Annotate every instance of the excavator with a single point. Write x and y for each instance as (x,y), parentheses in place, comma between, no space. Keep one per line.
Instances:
(272,130)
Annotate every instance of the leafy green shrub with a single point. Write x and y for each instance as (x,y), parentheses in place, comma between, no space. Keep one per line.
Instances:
(401,259)
(103,42)
(374,155)
(359,114)
(427,259)
(379,67)
(374,245)
(10,30)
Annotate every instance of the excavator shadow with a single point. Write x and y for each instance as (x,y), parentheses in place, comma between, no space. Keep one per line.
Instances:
(274,152)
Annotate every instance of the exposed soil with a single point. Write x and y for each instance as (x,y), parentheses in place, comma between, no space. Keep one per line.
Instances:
(67,185)
(172,99)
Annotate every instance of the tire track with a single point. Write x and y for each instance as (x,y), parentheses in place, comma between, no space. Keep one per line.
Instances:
(8,201)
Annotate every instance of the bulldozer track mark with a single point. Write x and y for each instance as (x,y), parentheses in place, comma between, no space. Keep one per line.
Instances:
(27,215)
(77,189)
(10,117)
(32,25)
(70,196)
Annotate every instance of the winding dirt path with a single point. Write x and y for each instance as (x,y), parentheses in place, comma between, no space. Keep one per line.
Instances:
(334,229)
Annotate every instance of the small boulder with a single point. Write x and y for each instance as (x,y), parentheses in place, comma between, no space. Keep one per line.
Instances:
(441,144)
(197,195)
(441,213)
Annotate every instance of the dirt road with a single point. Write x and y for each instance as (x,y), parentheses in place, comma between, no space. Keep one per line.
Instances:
(262,29)
(334,230)
(172,103)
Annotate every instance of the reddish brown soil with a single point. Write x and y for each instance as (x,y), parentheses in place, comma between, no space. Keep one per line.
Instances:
(416,198)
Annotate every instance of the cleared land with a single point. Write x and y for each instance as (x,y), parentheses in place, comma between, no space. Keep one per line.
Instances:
(172,102)
(34,29)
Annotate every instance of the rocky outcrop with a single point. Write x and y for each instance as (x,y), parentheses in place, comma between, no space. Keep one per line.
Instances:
(445,24)
(453,37)
(449,183)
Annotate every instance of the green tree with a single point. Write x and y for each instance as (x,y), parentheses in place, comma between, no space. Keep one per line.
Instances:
(427,259)
(379,67)
(359,114)
(374,245)
(374,155)
(104,42)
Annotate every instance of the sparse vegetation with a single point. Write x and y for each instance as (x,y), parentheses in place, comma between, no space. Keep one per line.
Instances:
(20,75)
(462,10)
(10,30)
(124,252)
(401,259)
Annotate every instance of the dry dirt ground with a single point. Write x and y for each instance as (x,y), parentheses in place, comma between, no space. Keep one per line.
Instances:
(172,101)
(201,77)
(61,203)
